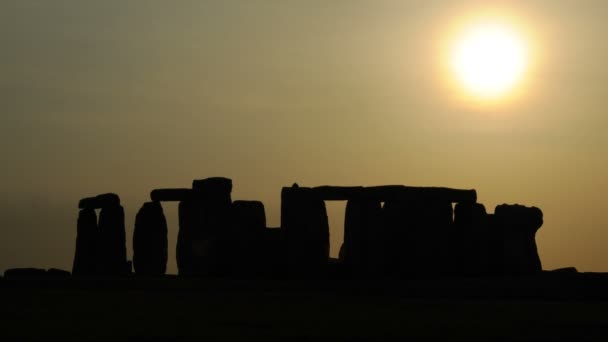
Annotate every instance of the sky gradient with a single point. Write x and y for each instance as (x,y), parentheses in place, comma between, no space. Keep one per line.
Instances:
(127,96)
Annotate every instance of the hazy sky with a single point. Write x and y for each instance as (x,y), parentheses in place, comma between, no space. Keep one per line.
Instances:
(126,96)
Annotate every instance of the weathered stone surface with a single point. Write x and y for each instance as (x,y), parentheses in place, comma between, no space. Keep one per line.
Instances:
(112,252)
(100,201)
(362,239)
(304,219)
(470,243)
(518,225)
(150,240)
(170,195)
(87,235)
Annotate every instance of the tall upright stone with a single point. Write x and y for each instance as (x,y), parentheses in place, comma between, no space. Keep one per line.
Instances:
(471,243)
(417,234)
(518,226)
(204,221)
(362,238)
(87,233)
(150,240)
(112,250)
(243,243)
(304,219)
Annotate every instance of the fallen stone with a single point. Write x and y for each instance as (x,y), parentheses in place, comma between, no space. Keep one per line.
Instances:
(150,244)
(100,201)
(170,195)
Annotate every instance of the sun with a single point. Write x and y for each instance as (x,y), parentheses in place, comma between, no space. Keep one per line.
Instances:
(489,59)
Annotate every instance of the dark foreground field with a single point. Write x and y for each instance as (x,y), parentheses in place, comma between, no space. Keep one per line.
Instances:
(546,308)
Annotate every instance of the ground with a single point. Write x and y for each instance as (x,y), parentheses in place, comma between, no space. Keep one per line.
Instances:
(519,309)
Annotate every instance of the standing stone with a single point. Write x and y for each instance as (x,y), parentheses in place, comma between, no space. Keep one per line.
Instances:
(112,242)
(204,221)
(243,250)
(87,233)
(304,219)
(362,243)
(417,234)
(518,225)
(150,240)
(470,242)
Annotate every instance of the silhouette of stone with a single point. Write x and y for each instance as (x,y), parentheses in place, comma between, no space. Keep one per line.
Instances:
(57,273)
(112,251)
(150,240)
(204,224)
(170,195)
(518,226)
(100,201)
(87,234)
(417,234)
(362,239)
(25,273)
(249,215)
(470,241)
(273,253)
(242,243)
(214,189)
(304,219)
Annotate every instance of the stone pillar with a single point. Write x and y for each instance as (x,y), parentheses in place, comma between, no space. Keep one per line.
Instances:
(417,234)
(85,257)
(204,222)
(150,240)
(362,239)
(470,241)
(518,226)
(304,219)
(244,245)
(112,242)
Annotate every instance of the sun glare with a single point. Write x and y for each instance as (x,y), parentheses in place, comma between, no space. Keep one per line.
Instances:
(489,59)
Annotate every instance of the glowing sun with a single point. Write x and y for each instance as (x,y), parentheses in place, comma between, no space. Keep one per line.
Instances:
(489,59)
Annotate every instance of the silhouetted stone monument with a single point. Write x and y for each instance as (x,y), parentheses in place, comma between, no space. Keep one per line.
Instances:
(304,219)
(87,235)
(112,251)
(204,219)
(471,240)
(245,239)
(100,201)
(518,226)
(150,240)
(363,243)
